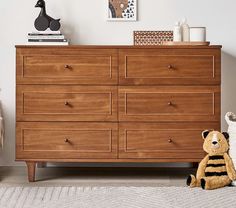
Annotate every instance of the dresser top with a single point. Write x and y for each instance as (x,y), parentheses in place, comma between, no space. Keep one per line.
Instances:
(120,46)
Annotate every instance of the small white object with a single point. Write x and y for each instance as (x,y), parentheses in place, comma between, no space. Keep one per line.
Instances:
(49,43)
(231,121)
(48,31)
(198,34)
(46,37)
(185,30)
(177,32)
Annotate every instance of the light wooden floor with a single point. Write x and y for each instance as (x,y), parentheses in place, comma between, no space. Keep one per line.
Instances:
(97,176)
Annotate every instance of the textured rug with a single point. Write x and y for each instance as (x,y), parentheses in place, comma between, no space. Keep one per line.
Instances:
(116,197)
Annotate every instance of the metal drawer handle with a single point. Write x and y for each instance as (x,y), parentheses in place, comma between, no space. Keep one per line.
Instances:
(170,141)
(170,103)
(67,103)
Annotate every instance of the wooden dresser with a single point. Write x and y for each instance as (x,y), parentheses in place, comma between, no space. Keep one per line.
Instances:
(115,103)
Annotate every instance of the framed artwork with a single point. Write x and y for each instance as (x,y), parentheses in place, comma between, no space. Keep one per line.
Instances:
(122,10)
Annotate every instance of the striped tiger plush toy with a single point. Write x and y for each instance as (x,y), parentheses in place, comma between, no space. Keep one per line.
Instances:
(216,170)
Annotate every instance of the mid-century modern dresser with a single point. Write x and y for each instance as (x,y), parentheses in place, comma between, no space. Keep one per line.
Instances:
(115,103)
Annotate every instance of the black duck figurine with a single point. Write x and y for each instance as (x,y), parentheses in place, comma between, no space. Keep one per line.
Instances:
(44,21)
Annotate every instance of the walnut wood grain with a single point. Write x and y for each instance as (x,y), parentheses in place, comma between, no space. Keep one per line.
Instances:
(168,66)
(31,166)
(114,104)
(66,140)
(66,103)
(65,66)
(172,103)
(161,140)
(73,48)
(188,159)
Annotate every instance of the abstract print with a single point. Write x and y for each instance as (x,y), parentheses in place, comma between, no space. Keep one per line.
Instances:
(122,10)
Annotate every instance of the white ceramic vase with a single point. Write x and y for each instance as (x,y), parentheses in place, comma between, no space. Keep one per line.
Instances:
(231,121)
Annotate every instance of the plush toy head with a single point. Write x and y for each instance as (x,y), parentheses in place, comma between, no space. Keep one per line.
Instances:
(40,3)
(215,142)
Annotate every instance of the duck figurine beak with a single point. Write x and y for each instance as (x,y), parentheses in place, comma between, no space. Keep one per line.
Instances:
(37,5)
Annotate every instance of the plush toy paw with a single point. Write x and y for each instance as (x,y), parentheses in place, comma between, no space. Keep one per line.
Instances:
(191,181)
(233,177)
(203,183)
(188,182)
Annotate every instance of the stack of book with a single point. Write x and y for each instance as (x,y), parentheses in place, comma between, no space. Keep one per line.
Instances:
(47,38)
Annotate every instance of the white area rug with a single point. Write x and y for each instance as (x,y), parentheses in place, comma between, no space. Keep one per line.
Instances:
(116,197)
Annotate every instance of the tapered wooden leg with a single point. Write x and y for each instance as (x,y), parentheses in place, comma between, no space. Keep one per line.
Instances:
(31,171)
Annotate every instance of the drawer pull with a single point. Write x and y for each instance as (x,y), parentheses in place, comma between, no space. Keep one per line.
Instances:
(170,141)
(67,66)
(170,67)
(67,103)
(170,103)
(66,140)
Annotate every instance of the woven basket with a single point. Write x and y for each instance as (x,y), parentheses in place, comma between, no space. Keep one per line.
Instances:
(152,37)
(231,121)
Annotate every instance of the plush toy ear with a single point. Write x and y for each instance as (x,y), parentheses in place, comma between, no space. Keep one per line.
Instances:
(205,133)
(226,135)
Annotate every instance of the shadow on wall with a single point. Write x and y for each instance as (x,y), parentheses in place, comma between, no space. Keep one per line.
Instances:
(70,33)
(228,97)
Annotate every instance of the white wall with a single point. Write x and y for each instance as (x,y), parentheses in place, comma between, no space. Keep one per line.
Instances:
(85,23)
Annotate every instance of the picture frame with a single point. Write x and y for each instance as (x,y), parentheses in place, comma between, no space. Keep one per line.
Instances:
(122,10)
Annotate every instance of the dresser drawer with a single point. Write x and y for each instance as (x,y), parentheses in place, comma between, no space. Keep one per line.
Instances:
(66,103)
(66,140)
(169,103)
(77,67)
(165,66)
(162,140)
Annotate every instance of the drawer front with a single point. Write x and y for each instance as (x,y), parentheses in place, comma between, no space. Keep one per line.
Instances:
(65,103)
(66,140)
(162,140)
(80,67)
(165,66)
(169,103)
